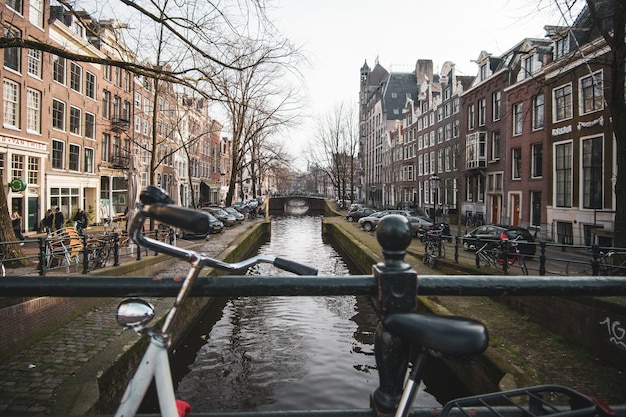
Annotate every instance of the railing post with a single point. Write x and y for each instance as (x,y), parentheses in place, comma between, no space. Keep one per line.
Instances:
(477,254)
(42,256)
(397,292)
(504,247)
(595,263)
(116,249)
(456,249)
(542,258)
(85,254)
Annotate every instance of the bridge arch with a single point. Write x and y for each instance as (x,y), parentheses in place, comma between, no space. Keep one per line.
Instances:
(298,205)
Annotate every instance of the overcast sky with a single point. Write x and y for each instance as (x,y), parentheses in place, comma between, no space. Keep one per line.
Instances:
(340,35)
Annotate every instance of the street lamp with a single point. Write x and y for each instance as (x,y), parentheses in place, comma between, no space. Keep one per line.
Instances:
(434,188)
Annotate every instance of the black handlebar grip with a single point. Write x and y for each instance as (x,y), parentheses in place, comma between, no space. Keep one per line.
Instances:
(294,267)
(184,218)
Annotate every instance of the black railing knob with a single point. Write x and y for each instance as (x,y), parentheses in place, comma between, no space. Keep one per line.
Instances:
(394,236)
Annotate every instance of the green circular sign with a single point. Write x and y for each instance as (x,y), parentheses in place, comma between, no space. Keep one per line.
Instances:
(18,184)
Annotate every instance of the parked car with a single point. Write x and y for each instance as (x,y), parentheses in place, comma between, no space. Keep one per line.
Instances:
(369,223)
(354,216)
(355,207)
(239,217)
(215,226)
(227,219)
(492,234)
(418,224)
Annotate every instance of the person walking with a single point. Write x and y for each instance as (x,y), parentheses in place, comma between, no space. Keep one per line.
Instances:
(81,220)
(16,222)
(59,219)
(48,221)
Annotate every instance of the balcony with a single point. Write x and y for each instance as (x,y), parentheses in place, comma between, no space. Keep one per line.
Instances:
(120,124)
(120,161)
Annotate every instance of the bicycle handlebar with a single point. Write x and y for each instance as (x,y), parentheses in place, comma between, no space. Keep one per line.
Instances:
(157,205)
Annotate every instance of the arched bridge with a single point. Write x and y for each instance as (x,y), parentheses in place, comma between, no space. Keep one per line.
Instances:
(295,204)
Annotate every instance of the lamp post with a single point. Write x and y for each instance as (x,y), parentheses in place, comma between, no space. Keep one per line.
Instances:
(434,188)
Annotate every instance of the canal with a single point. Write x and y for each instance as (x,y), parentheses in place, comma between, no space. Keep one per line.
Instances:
(288,353)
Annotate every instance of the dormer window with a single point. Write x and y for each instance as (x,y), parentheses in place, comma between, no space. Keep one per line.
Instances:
(528,66)
(562,47)
(483,72)
(78,29)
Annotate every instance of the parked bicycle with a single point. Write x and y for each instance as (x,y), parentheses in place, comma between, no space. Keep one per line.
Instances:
(606,265)
(434,247)
(502,258)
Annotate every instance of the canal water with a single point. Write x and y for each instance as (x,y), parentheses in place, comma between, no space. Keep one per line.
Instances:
(285,353)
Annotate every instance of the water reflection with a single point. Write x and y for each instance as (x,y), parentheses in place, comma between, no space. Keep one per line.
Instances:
(288,353)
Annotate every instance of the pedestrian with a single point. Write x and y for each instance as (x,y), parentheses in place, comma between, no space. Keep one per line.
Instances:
(59,219)
(81,221)
(48,221)
(16,222)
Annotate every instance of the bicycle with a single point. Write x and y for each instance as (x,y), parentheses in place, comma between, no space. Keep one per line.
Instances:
(136,313)
(461,337)
(496,257)
(99,252)
(606,266)
(433,247)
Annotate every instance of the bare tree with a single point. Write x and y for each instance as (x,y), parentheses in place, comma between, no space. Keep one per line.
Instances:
(335,149)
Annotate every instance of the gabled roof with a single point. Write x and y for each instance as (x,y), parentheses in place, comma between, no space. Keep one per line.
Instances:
(398,85)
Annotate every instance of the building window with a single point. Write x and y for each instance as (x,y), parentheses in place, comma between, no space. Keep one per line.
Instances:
(482,111)
(563,171)
(538,112)
(11,104)
(90,85)
(496,99)
(35,13)
(592,173)
(537,161)
(33,111)
(58,114)
(495,146)
(16,6)
(33,170)
(138,101)
(106,144)
(75,120)
(74,158)
(89,160)
(516,166)
(476,150)
(562,47)
(456,105)
(17,166)
(34,63)
(518,119)
(90,125)
(535,208)
(528,66)
(58,150)
(117,106)
(562,99)
(76,77)
(12,56)
(106,104)
(58,69)
(106,72)
(470,117)
(591,93)
(483,72)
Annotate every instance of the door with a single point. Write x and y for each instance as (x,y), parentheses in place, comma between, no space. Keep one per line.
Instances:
(515,209)
(32,221)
